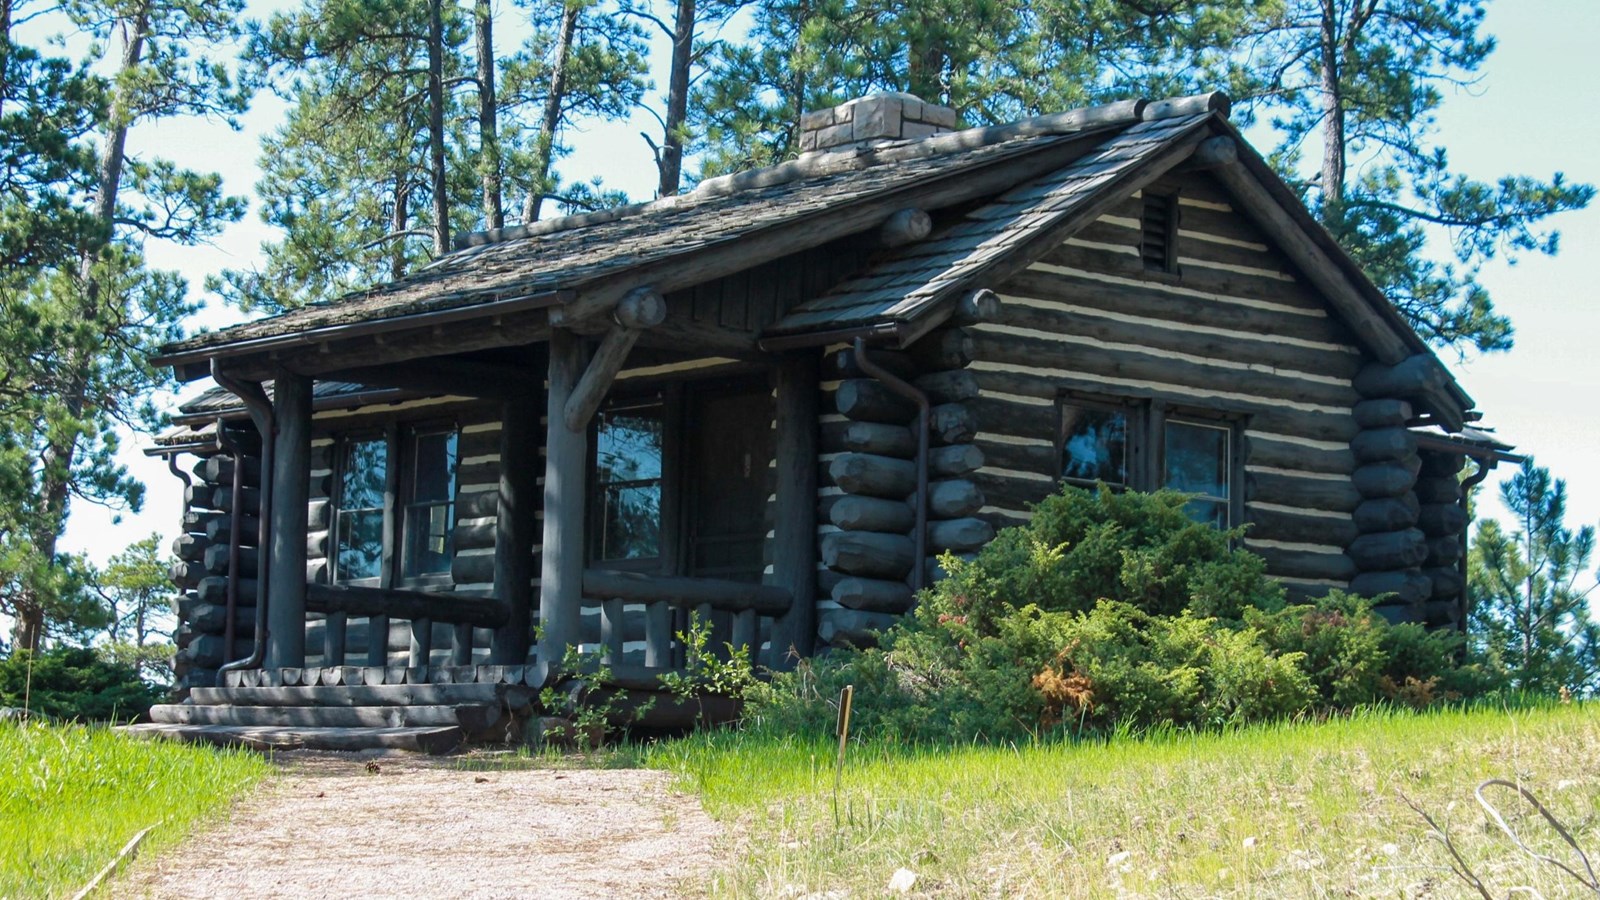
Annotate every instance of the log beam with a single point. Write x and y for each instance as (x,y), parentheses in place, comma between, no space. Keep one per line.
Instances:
(566,464)
(291,476)
(514,530)
(641,308)
(794,546)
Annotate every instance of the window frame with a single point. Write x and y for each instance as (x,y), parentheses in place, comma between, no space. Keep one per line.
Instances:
(399,443)
(1147,418)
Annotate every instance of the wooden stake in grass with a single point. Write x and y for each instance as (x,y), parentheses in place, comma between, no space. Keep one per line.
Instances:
(845,696)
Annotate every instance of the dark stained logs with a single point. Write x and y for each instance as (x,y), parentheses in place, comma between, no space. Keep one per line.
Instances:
(515,530)
(842,363)
(637,587)
(291,458)
(1443,551)
(1299,527)
(876,476)
(948,387)
(951,348)
(876,437)
(873,595)
(853,626)
(475,569)
(794,544)
(1410,377)
(219,470)
(454,608)
(1383,480)
(1442,519)
(190,547)
(566,463)
(1383,445)
(1383,413)
(956,459)
(1288,490)
(216,560)
(868,553)
(954,498)
(861,513)
(1410,584)
(210,618)
(866,400)
(1304,563)
(1388,550)
(1438,490)
(1387,513)
(960,534)
(215,589)
(1436,464)
(953,423)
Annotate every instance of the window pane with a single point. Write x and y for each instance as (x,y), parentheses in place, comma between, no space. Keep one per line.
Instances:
(435,467)
(1198,463)
(628,445)
(1095,446)
(628,483)
(631,522)
(365,469)
(360,544)
(427,531)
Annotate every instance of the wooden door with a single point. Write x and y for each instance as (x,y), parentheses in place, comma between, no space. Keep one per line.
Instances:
(730,446)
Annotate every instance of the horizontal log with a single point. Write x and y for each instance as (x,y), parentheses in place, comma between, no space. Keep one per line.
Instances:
(852,627)
(348,694)
(1438,490)
(1442,519)
(219,528)
(1443,551)
(685,592)
(316,544)
(950,386)
(476,536)
(1302,493)
(945,348)
(470,717)
(871,554)
(1304,563)
(1387,513)
(212,618)
(842,363)
(1447,582)
(861,513)
(1383,445)
(195,521)
(873,595)
(1445,465)
(484,612)
(190,547)
(880,438)
(475,569)
(981,305)
(1009,492)
(960,534)
(865,400)
(953,423)
(1298,527)
(206,496)
(954,498)
(1408,585)
(478,504)
(317,515)
(1387,412)
(219,470)
(214,589)
(956,459)
(1376,480)
(872,475)
(216,560)
(1411,377)
(186,575)
(206,650)
(1262,450)
(1388,550)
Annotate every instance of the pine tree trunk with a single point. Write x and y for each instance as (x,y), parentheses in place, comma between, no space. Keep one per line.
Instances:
(400,219)
(488,125)
(441,202)
(671,162)
(58,456)
(545,143)
(1333,119)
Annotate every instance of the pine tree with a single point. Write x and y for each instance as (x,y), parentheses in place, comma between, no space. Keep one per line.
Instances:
(1530,616)
(1364,80)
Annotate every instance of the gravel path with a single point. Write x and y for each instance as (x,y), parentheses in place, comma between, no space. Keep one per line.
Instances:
(416,828)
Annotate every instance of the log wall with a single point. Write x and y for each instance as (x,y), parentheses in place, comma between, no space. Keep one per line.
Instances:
(1234,330)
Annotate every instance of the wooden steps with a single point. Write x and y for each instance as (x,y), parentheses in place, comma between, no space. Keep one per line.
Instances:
(417,739)
(473,717)
(516,697)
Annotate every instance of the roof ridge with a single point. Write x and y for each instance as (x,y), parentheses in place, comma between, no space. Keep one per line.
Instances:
(816,164)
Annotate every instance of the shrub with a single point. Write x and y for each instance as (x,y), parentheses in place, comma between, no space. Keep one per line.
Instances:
(1110,611)
(76,684)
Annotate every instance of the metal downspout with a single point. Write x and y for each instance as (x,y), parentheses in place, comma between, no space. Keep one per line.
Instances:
(924,426)
(1467,484)
(260,408)
(230,619)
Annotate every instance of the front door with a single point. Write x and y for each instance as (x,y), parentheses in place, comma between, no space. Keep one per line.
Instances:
(725,497)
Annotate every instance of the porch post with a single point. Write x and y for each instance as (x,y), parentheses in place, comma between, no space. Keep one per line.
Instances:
(291,484)
(566,464)
(794,543)
(513,529)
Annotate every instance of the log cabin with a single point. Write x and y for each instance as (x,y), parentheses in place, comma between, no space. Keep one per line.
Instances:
(773,401)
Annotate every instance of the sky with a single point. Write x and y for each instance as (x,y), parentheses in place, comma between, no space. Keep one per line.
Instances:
(1533,112)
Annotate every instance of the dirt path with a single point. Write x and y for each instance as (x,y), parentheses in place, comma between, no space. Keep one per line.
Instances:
(416,828)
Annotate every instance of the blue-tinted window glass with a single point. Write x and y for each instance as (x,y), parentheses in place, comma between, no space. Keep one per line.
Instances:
(628,483)
(430,507)
(363,472)
(1199,463)
(1094,446)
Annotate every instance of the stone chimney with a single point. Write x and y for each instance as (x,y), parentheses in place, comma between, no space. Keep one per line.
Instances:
(873,119)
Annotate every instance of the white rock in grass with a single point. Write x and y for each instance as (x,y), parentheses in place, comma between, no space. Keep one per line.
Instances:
(1250,843)
(902,881)
(1117,859)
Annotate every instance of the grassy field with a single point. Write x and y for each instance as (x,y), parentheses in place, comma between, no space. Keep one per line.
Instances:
(71,797)
(1300,810)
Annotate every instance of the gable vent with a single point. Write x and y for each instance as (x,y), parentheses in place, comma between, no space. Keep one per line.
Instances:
(1158,238)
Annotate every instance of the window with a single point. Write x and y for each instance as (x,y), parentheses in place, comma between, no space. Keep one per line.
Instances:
(627,483)
(415,468)
(1144,445)
(1198,459)
(1094,444)
(363,477)
(430,507)
(1158,233)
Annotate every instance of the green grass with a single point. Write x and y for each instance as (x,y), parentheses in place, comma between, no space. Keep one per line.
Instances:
(1292,810)
(71,797)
